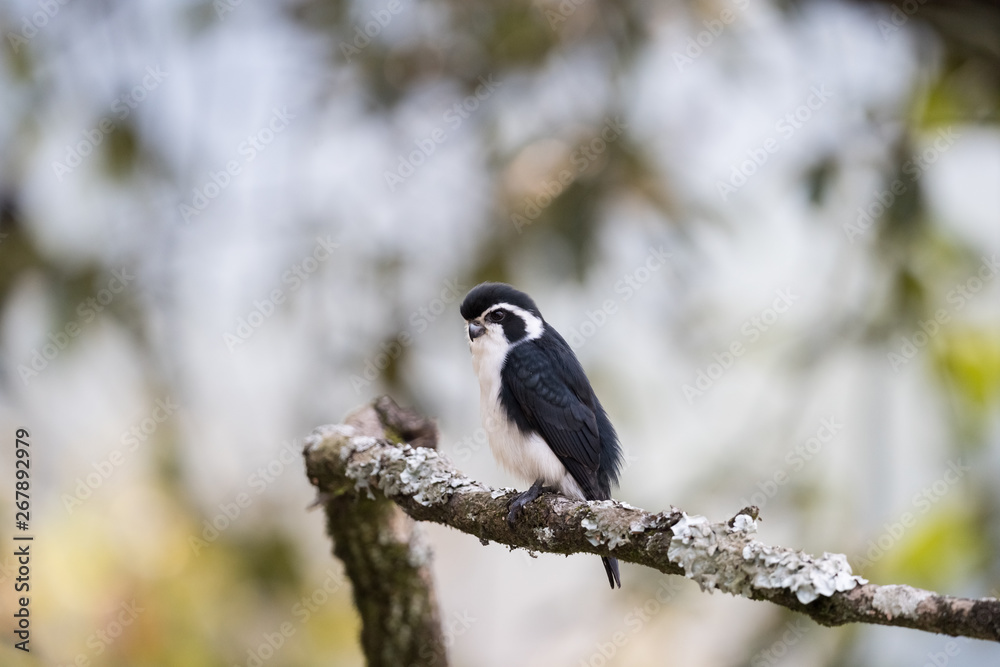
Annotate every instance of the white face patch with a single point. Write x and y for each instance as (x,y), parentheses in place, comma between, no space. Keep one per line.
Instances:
(533,325)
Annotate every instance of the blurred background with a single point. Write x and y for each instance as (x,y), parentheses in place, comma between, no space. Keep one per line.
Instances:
(769,228)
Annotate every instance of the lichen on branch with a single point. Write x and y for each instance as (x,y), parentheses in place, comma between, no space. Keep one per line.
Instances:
(344,462)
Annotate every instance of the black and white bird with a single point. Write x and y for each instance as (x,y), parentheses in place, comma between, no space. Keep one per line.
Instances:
(542,417)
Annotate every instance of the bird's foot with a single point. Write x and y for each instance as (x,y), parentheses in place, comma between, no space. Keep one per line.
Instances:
(517,503)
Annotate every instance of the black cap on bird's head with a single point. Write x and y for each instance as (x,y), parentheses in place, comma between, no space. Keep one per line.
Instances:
(485,295)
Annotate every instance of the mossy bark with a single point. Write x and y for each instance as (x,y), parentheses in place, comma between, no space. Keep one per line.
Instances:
(392,586)
(347,463)
(386,562)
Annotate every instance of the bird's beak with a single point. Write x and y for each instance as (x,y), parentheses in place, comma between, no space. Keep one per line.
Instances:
(476,330)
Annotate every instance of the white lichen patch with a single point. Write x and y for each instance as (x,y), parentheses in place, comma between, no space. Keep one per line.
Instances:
(807,576)
(899,601)
(718,557)
(544,534)
(420,553)
(743,523)
(360,469)
(645,521)
(357,444)
(686,522)
(336,432)
(419,472)
(598,530)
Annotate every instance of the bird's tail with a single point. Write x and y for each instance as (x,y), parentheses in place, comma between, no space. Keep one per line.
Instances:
(611,567)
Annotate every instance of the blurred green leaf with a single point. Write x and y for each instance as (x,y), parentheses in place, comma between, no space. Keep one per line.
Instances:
(944,547)
(970,359)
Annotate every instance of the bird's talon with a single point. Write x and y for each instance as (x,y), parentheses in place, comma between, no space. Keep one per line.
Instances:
(517,503)
(516,507)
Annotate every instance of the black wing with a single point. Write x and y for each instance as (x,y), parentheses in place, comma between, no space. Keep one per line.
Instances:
(545,390)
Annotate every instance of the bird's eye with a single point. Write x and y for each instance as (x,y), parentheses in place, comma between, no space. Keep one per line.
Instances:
(496,316)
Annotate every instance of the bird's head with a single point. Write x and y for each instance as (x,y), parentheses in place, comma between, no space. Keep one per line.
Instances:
(497,315)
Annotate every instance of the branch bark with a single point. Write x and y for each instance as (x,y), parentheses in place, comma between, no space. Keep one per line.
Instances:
(383,553)
(350,465)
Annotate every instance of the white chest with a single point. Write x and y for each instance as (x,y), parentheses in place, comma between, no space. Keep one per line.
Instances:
(527,456)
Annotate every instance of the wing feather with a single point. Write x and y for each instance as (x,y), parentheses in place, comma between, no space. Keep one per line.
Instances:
(549,393)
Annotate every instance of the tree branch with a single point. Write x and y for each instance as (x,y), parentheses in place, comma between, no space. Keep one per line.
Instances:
(384,555)
(344,462)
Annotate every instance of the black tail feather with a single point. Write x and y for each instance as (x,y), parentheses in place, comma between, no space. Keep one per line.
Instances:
(611,567)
